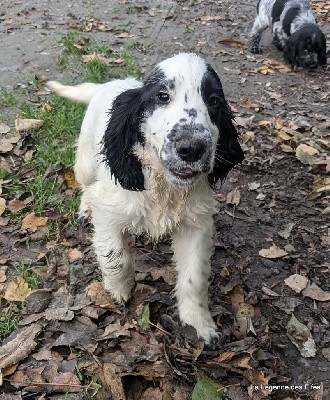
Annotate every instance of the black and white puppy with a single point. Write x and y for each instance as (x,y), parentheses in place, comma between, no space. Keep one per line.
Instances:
(148,156)
(294,32)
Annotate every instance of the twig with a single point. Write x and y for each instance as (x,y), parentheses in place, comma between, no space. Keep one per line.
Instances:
(49,384)
(228,386)
(161,329)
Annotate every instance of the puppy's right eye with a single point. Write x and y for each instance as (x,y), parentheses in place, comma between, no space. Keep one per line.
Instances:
(163,97)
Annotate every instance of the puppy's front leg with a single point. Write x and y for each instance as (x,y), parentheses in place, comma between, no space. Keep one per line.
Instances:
(260,24)
(114,257)
(192,251)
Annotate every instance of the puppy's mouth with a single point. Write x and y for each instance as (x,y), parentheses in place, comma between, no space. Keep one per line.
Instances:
(185,173)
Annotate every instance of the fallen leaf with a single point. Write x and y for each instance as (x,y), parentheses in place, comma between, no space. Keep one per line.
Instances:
(286,149)
(285,232)
(74,255)
(272,252)
(3,274)
(168,273)
(316,293)
(269,292)
(152,393)
(233,42)
(207,18)
(296,282)
(258,379)
(17,290)
(206,388)
(248,104)
(4,128)
(32,222)
(253,185)
(244,122)
(2,205)
(236,297)
(69,178)
(264,122)
(283,135)
(124,35)
(37,301)
(305,154)
(320,187)
(104,28)
(112,381)
(265,70)
(114,330)
(16,205)
(9,370)
(326,353)
(7,144)
(301,337)
(144,321)
(234,197)
(23,125)
(20,347)
(243,321)
(98,296)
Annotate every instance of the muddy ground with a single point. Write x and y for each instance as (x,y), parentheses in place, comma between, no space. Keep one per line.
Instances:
(276,200)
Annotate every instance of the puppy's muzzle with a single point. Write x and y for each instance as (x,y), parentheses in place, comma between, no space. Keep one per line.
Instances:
(190,150)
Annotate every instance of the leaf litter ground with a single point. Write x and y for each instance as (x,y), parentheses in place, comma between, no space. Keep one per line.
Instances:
(270,281)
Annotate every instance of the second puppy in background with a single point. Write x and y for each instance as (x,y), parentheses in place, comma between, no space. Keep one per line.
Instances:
(294,31)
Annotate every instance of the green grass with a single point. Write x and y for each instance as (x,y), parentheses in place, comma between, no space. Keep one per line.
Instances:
(76,45)
(7,99)
(28,274)
(9,317)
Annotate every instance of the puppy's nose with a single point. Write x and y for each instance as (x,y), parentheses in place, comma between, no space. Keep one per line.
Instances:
(190,150)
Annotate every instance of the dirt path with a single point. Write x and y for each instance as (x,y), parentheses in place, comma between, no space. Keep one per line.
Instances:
(276,199)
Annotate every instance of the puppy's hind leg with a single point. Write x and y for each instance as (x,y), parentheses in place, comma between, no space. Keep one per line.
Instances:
(114,257)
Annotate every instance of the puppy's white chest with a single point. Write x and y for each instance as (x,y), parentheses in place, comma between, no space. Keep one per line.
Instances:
(156,214)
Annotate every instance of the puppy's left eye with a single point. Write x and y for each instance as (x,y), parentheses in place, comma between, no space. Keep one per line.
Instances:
(214,100)
(163,97)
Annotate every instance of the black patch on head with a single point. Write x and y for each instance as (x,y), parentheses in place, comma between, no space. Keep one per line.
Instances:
(171,83)
(228,151)
(277,10)
(290,15)
(192,112)
(128,111)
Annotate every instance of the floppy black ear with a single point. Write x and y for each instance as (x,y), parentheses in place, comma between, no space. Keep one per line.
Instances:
(228,152)
(122,133)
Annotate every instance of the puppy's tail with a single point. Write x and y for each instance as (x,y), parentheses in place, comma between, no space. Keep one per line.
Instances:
(82,93)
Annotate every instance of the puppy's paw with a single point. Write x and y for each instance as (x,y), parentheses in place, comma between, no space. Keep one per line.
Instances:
(200,318)
(120,293)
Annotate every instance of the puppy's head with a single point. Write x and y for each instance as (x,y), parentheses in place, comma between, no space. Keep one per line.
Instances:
(306,47)
(181,115)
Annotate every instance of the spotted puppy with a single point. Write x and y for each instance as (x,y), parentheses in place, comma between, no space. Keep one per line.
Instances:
(294,32)
(148,157)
